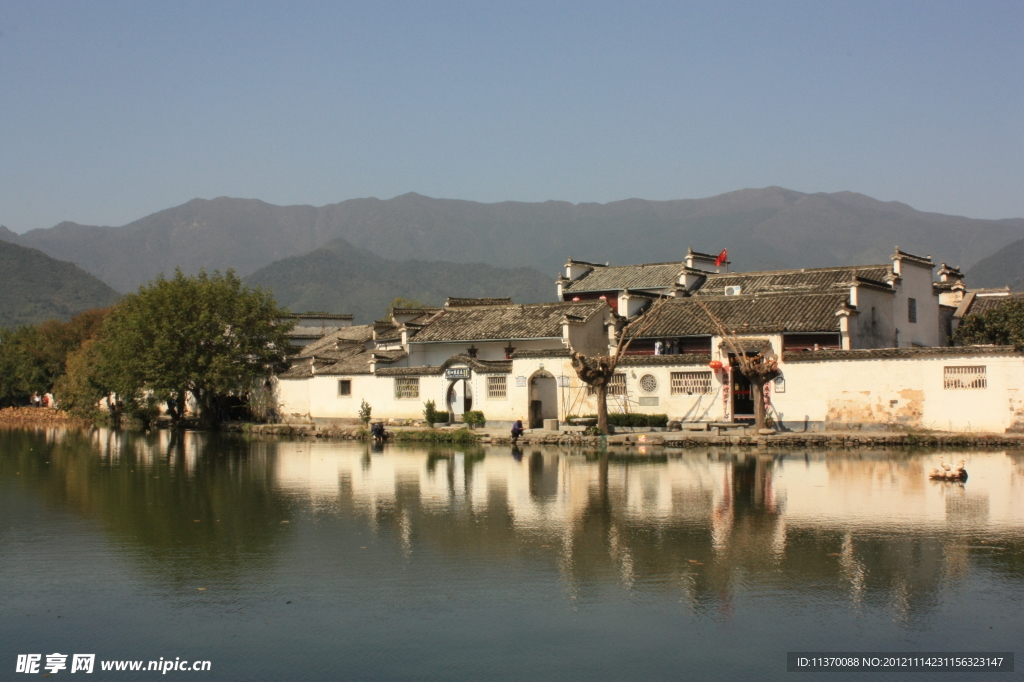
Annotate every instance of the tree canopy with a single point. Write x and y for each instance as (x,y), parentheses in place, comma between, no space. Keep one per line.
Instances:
(1002,325)
(205,336)
(33,357)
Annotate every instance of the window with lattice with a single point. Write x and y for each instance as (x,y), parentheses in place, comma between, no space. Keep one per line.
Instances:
(964,378)
(648,384)
(497,388)
(407,388)
(691,383)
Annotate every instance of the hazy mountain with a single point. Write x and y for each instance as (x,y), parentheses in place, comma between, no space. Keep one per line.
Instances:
(339,277)
(1003,268)
(762,228)
(37,288)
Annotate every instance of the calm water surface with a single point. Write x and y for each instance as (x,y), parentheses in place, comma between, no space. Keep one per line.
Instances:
(288,560)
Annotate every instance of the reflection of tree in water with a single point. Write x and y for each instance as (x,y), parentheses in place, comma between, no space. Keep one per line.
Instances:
(214,495)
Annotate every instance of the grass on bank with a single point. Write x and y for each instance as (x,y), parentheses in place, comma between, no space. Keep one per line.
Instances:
(434,436)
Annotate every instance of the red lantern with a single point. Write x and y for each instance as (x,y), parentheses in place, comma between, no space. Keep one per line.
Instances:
(715,365)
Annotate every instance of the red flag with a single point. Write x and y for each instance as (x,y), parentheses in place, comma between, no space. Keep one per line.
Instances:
(721,257)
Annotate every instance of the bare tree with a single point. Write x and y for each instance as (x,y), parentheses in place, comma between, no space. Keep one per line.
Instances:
(597,371)
(758,369)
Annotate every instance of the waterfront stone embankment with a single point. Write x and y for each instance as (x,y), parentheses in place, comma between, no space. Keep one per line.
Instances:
(671,439)
(37,416)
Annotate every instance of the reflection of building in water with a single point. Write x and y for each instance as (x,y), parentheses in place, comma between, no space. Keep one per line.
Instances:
(871,528)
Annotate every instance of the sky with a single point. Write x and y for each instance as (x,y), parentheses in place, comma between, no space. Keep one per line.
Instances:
(110,111)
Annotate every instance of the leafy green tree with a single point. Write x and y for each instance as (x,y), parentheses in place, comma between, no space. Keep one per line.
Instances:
(33,357)
(202,337)
(402,302)
(1002,326)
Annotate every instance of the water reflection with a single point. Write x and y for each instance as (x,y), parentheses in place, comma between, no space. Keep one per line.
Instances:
(867,529)
(189,505)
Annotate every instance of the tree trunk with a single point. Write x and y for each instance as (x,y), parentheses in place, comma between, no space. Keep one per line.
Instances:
(602,407)
(757,393)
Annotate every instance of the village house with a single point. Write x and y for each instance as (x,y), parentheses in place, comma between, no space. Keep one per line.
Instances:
(857,346)
(491,355)
(310,327)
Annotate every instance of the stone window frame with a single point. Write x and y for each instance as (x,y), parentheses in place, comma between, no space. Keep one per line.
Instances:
(964,377)
(912,310)
(497,387)
(344,384)
(691,383)
(407,388)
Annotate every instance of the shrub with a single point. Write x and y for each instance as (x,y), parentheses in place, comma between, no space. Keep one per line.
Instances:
(634,419)
(458,436)
(364,412)
(474,418)
(430,413)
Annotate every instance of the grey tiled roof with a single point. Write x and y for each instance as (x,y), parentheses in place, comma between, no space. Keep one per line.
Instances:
(749,314)
(357,362)
(983,304)
(353,360)
(478,366)
(883,353)
(453,302)
(659,360)
(619,277)
(813,280)
(358,334)
(544,353)
(535,321)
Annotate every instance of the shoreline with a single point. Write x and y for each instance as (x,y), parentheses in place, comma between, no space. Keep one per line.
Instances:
(640,441)
(39,417)
(667,439)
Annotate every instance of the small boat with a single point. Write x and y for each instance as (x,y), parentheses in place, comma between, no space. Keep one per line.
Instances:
(948,473)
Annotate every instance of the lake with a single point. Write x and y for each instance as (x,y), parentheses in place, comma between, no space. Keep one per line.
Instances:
(304,559)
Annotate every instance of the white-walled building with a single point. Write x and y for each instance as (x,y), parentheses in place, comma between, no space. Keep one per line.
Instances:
(858,347)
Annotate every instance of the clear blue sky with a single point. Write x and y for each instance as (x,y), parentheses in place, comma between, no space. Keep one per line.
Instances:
(110,111)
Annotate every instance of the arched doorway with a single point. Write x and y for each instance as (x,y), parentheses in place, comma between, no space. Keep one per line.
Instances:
(543,398)
(460,398)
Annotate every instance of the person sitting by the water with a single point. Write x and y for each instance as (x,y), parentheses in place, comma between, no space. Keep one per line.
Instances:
(378,433)
(517,430)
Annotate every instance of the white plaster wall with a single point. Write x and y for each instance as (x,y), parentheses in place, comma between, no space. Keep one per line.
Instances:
(292,396)
(906,392)
(881,333)
(682,407)
(916,282)
(589,337)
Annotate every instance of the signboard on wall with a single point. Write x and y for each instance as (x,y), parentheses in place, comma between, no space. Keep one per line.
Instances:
(780,384)
(521,382)
(563,382)
(457,373)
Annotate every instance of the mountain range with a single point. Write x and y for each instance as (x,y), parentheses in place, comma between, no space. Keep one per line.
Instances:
(1003,268)
(37,288)
(762,228)
(341,277)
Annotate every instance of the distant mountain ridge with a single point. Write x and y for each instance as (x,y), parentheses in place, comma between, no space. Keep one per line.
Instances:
(762,228)
(37,287)
(1003,268)
(339,277)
